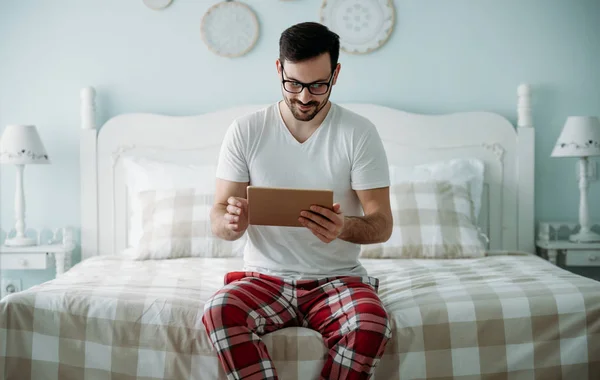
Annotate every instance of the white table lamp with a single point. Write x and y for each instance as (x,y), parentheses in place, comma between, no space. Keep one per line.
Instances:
(580,137)
(21,145)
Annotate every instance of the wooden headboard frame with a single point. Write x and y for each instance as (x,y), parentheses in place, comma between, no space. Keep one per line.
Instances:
(507,150)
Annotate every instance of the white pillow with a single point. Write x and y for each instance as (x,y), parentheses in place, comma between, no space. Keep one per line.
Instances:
(144,173)
(467,172)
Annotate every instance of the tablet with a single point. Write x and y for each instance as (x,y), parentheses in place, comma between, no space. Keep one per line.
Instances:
(274,206)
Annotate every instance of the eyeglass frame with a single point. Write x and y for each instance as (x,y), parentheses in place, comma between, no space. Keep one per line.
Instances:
(305,85)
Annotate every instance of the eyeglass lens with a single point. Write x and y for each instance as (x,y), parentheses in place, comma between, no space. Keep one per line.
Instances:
(314,88)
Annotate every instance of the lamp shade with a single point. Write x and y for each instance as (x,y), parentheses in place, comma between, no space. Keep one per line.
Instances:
(580,137)
(21,144)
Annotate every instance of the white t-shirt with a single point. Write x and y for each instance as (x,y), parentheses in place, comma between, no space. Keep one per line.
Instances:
(344,154)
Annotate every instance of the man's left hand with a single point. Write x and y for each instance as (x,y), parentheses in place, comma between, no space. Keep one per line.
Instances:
(324,223)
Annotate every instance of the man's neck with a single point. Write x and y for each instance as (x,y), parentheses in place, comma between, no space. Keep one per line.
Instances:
(302,130)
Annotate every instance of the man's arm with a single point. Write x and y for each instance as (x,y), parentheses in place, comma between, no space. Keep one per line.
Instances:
(376,224)
(229,214)
(374,227)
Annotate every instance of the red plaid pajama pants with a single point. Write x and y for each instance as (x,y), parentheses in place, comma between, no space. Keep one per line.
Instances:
(345,310)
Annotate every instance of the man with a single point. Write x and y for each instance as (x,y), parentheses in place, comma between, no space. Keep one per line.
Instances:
(303,276)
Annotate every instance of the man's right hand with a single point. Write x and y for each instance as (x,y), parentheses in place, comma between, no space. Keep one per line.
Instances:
(236,215)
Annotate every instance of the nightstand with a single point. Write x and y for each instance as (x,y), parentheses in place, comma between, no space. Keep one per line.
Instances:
(37,256)
(553,242)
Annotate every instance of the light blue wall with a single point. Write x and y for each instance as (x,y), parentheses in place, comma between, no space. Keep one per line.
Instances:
(444,56)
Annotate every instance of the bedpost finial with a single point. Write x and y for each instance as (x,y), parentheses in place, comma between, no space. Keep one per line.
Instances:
(524,89)
(88,93)
(524,106)
(88,108)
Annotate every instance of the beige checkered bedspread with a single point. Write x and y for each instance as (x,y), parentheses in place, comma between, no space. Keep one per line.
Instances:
(499,317)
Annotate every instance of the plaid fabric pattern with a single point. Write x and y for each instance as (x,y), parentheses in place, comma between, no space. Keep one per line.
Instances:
(176,223)
(345,311)
(432,219)
(496,317)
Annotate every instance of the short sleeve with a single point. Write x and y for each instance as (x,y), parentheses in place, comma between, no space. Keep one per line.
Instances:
(370,168)
(232,164)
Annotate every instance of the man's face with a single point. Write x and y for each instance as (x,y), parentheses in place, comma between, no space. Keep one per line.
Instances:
(305,105)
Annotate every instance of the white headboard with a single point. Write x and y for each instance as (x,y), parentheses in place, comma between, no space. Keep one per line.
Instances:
(508,152)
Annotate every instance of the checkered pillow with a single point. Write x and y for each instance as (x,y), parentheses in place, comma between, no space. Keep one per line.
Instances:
(432,219)
(176,223)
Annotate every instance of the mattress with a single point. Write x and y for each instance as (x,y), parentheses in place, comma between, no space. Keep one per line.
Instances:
(506,316)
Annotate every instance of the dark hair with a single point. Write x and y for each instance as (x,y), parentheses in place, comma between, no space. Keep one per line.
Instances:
(308,40)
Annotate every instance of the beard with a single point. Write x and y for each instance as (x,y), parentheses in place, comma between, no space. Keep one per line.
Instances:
(305,115)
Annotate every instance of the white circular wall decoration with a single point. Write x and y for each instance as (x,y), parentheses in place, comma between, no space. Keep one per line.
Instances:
(363,25)
(157,4)
(230,28)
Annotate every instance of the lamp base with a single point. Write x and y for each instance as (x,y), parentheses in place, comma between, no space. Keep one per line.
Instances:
(585,237)
(20,242)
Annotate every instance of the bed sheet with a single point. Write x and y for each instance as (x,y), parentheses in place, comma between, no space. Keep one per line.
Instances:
(503,316)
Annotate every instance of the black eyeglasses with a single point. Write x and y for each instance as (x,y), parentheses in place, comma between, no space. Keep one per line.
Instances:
(315,88)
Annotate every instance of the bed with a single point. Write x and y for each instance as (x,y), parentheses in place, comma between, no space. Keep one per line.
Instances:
(506,314)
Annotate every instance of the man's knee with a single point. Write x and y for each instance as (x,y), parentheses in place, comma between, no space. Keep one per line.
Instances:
(224,308)
(374,318)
